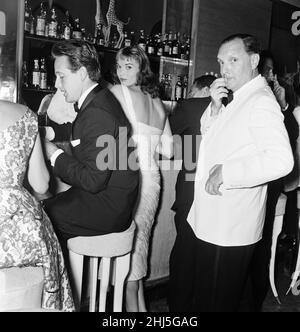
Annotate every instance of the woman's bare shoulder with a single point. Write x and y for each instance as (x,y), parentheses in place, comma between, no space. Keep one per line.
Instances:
(11,110)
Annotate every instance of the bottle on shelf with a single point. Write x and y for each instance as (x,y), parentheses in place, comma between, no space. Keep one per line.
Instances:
(25,78)
(176,46)
(142,40)
(36,74)
(77,33)
(185,87)
(43,75)
(41,20)
(168,87)
(66,27)
(127,40)
(185,50)
(27,18)
(166,50)
(132,38)
(170,43)
(100,40)
(150,47)
(53,24)
(178,89)
(159,46)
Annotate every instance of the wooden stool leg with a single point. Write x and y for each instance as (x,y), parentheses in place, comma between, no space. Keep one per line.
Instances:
(93,282)
(76,263)
(104,271)
(122,268)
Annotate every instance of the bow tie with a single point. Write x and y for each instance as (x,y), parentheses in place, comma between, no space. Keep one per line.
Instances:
(76,108)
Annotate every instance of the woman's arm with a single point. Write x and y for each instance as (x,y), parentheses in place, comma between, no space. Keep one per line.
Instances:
(38,175)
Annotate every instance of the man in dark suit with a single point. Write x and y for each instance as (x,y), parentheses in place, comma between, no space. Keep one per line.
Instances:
(185,121)
(104,187)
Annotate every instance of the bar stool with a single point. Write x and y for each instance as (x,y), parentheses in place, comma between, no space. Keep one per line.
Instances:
(278,221)
(21,288)
(111,248)
(296,273)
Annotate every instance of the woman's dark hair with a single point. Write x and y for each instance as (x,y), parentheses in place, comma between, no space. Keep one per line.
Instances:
(80,54)
(146,79)
(251,43)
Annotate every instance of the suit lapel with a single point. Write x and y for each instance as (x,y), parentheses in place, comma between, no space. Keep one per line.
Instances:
(86,102)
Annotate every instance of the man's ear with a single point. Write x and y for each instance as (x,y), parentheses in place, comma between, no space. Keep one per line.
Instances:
(254,60)
(83,73)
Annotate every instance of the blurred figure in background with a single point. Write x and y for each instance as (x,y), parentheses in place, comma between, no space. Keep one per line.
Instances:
(138,94)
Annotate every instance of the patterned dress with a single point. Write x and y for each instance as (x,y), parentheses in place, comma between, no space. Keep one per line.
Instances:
(147,139)
(26,234)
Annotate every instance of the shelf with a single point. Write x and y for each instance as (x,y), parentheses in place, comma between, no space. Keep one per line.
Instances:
(175,61)
(39,90)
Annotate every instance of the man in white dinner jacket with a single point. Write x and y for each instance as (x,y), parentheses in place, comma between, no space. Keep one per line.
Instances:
(244,146)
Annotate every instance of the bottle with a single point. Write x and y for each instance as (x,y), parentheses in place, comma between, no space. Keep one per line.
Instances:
(77,34)
(150,48)
(32,25)
(142,40)
(175,46)
(53,24)
(160,46)
(27,18)
(127,40)
(178,89)
(185,87)
(132,38)
(168,87)
(166,45)
(41,21)
(25,78)
(43,74)
(100,36)
(36,74)
(170,43)
(66,27)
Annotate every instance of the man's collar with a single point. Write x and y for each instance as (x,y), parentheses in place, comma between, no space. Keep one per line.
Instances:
(84,95)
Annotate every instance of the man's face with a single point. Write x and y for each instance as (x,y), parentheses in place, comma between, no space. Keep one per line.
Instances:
(268,70)
(237,67)
(69,83)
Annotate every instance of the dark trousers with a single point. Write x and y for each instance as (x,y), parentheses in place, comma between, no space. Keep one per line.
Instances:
(205,277)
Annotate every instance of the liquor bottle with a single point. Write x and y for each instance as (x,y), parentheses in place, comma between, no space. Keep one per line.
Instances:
(160,46)
(36,74)
(186,50)
(32,25)
(53,24)
(25,78)
(132,38)
(100,36)
(178,89)
(175,46)
(170,43)
(114,41)
(168,87)
(27,18)
(166,45)
(41,21)
(150,48)
(43,74)
(127,40)
(66,27)
(185,87)
(77,34)
(142,40)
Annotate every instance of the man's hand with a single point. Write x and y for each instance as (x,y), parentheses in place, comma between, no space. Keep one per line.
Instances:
(50,148)
(218,91)
(279,93)
(215,180)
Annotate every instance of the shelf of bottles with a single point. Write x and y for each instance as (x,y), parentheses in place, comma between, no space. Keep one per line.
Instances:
(46,26)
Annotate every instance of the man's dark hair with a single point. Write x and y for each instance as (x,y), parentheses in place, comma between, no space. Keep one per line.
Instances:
(80,54)
(251,43)
(264,56)
(203,81)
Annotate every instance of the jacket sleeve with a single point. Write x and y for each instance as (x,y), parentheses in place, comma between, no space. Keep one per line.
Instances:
(90,168)
(268,157)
